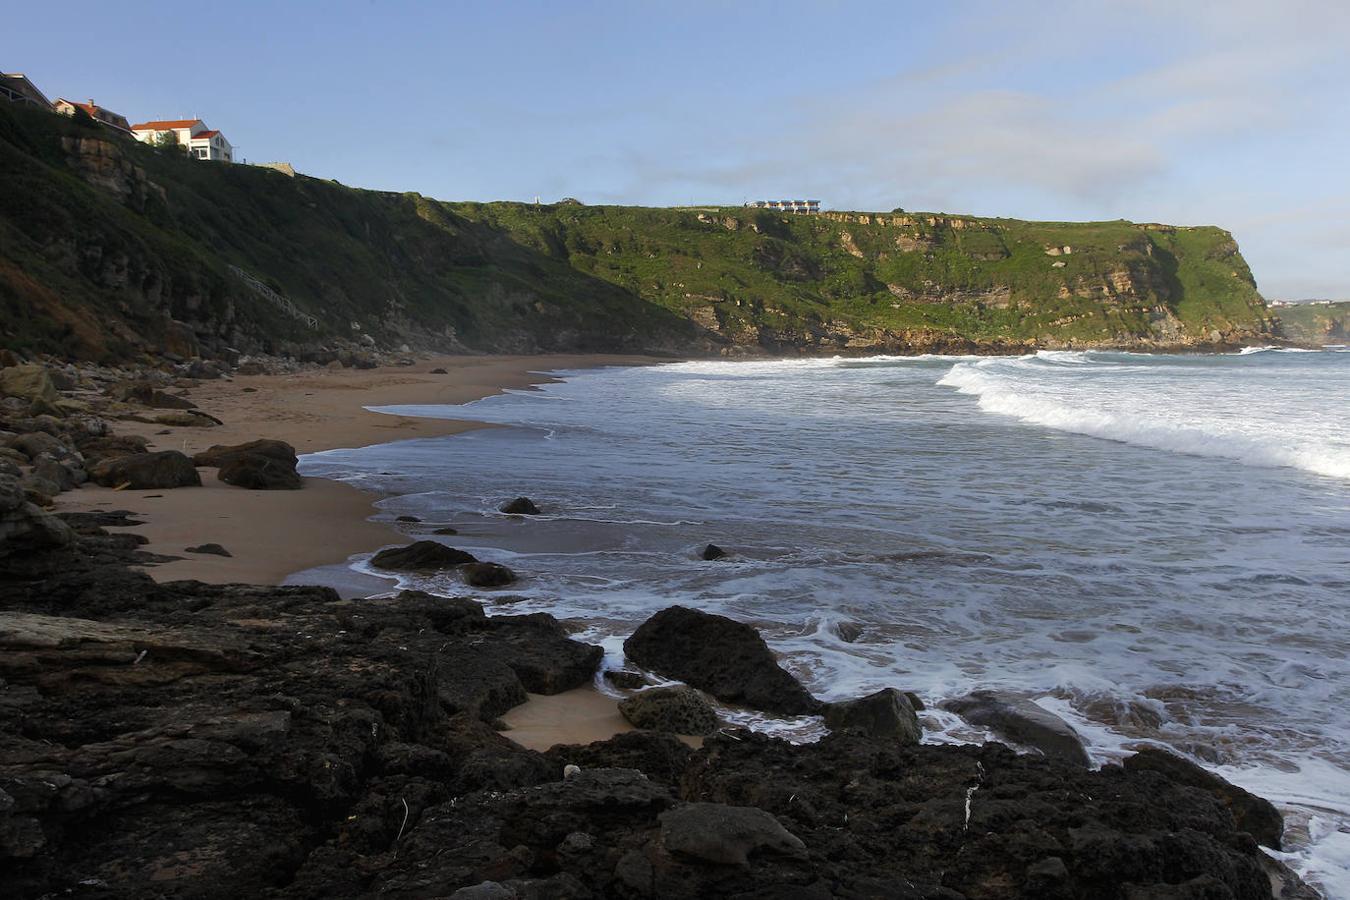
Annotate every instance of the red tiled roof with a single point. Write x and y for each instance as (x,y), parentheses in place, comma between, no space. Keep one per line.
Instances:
(165,124)
(205,134)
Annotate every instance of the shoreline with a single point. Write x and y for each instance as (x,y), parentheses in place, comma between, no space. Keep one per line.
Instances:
(273,535)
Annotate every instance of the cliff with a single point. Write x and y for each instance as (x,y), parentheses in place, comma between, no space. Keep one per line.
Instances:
(1316,325)
(110,249)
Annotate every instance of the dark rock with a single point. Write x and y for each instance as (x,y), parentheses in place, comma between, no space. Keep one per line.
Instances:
(711,552)
(219,454)
(629,681)
(661,756)
(140,471)
(726,835)
(678,710)
(885,714)
(728,659)
(147,394)
(260,473)
(487,575)
(39,490)
(521,506)
(446,530)
(38,442)
(407,519)
(214,549)
(421,556)
(186,418)
(1019,720)
(97,449)
(848,631)
(437,371)
(1254,815)
(66,478)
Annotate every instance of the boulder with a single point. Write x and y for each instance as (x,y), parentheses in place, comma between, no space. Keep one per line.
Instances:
(66,478)
(1019,720)
(678,710)
(711,552)
(726,835)
(521,506)
(487,575)
(187,418)
(260,473)
(24,528)
(1252,814)
(147,394)
(726,658)
(407,519)
(628,681)
(421,556)
(39,490)
(165,469)
(10,468)
(886,714)
(97,449)
(36,443)
(219,454)
(446,530)
(212,549)
(437,371)
(28,382)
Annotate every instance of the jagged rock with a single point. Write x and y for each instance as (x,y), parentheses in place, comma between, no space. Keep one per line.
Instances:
(407,519)
(260,473)
(165,469)
(148,395)
(219,454)
(728,659)
(487,575)
(437,371)
(24,528)
(421,556)
(711,552)
(1019,720)
(679,710)
(726,835)
(885,714)
(521,506)
(446,530)
(213,549)
(1254,815)
(848,631)
(9,468)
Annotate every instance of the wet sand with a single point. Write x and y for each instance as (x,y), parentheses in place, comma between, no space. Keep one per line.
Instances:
(272,534)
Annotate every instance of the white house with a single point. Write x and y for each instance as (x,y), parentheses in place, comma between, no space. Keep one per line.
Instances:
(98,113)
(792,206)
(199,141)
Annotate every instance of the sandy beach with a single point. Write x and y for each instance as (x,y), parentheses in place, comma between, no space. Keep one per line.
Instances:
(272,534)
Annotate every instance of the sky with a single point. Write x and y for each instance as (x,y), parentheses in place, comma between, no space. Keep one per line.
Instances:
(1190,112)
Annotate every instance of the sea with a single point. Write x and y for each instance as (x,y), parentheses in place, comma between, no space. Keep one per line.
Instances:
(1154,547)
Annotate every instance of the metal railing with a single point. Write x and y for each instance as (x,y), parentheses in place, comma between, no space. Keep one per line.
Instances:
(274,298)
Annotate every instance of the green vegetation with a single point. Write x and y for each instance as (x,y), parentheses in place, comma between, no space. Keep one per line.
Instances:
(1316,324)
(104,241)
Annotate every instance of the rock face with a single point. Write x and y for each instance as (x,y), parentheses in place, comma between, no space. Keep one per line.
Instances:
(1252,814)
(165,469)
(521,506)
(487,575)
(728,659)
(678,710)
(421,556)
(711,552)
(886,714)
(1022,722)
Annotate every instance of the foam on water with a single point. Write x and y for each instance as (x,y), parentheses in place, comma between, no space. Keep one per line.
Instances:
(1156,548)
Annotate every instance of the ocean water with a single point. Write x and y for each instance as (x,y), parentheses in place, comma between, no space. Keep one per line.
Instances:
(1155,547)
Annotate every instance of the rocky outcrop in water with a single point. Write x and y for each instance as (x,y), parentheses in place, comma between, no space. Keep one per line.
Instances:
(726,658)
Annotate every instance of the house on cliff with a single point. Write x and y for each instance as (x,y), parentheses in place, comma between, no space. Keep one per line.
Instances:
(192,134)
(16,88)
(792,206)
(97,113)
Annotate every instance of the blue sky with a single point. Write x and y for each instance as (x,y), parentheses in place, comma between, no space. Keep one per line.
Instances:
(1191,112)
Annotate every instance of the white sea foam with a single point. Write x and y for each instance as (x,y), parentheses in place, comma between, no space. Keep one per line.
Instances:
(1135,542)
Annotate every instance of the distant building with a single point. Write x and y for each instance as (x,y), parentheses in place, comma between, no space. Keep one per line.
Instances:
(792,206)
(193,135)
(95,112)
(16,88)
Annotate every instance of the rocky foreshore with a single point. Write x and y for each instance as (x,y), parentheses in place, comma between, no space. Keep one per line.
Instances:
(185,739)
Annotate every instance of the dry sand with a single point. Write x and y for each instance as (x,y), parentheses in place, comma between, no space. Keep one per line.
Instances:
(272,534)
